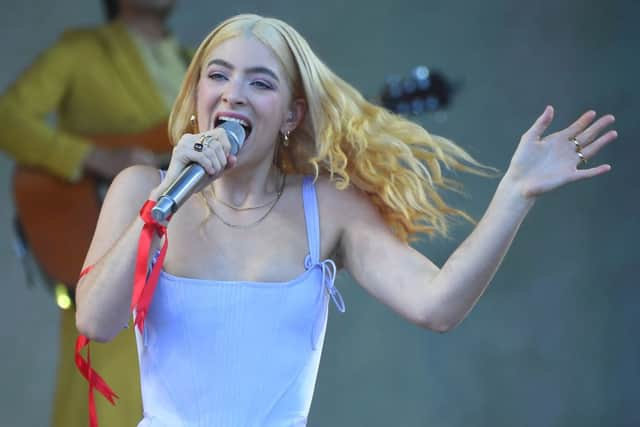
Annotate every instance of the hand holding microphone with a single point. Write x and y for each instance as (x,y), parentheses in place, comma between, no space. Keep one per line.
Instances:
(202,160)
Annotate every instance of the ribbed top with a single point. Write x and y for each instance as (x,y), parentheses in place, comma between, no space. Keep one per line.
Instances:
(221,353)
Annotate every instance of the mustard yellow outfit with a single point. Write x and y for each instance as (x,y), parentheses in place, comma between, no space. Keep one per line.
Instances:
(103,80)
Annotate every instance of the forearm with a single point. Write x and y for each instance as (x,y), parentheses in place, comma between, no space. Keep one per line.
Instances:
(30,141)
(103,295)
(469,270)
(24,107)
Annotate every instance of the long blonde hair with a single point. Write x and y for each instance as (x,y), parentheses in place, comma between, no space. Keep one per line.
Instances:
(396,162)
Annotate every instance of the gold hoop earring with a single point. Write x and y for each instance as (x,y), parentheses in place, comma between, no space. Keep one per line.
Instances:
(194,123)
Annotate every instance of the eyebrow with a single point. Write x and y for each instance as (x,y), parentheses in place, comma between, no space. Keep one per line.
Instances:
(250,70)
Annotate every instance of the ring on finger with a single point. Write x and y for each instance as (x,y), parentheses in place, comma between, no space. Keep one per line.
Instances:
(198,147)
(206,140)
(583,159)
(577,144)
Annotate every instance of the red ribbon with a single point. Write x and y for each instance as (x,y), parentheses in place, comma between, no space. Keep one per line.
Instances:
(143,289)
(94,379)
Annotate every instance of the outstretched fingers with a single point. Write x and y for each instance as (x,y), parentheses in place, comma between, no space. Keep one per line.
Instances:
(541,124)
(590,172)
(579,125)
(589,140)
(591,149)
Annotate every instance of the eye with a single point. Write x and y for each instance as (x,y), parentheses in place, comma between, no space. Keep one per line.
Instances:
(262,84)
(217,75)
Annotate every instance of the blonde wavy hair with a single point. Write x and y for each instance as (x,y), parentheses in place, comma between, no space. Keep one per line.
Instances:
(396,162)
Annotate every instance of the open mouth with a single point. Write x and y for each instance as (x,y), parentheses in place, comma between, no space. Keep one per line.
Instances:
(226,117)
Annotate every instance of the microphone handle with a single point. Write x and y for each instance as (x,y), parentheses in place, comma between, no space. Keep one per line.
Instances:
(190,178)
(182,188)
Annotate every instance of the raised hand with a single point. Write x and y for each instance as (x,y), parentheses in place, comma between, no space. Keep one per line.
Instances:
(210,149)
(542,163)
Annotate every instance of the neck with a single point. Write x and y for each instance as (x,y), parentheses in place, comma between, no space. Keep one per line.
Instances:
(243,187)
(151,26)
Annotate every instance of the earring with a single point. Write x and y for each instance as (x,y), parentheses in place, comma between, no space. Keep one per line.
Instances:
(285,140)
(194,123)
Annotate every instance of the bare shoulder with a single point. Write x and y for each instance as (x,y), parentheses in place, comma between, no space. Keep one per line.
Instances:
(136,180)
(129,189)
(346,215)
(345,206)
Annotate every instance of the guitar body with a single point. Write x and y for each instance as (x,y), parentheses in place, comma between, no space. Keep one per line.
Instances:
(59,217)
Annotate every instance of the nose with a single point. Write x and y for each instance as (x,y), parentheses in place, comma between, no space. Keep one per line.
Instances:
(233,92)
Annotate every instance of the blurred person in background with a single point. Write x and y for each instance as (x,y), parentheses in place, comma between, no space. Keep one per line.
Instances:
(109,90)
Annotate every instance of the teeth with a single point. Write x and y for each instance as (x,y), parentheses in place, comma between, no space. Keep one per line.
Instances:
(233,119)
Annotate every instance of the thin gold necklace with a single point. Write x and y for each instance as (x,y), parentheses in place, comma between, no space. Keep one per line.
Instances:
(259,220)
(248,208)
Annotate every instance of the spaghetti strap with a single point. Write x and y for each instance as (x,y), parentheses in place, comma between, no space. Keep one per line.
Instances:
(310,203)
(328,267)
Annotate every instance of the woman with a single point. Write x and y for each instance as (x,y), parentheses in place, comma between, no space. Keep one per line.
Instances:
(234,332)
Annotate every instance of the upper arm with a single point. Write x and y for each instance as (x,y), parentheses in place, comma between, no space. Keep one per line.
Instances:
(40,88)
(389,269)
(127,193)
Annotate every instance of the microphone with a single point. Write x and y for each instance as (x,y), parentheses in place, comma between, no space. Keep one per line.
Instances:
(192,176)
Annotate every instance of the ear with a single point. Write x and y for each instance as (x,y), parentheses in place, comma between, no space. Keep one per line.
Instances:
(295,115)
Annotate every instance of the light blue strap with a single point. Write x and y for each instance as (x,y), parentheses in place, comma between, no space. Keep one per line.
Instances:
(312,260)
(310,203)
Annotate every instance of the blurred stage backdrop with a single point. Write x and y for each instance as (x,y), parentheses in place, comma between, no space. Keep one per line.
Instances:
(553,342)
